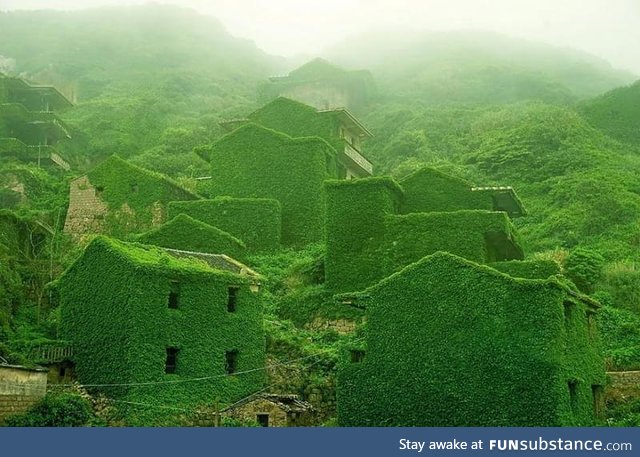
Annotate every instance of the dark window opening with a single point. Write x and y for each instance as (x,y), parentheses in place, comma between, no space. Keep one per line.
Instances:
(232,298)
(134,188)
(172,359)
(231,361)
(573,395)
(174,295)
(62,370)
(357,356)
(598,401)
(568,309)
(262,419)
(99,190)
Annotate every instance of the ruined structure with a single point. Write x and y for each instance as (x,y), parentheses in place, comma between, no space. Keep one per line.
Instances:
(20,388)
(376,226)
(453,343)
(322,85)
(118,198)
(29,128)
(272,410)
(154,326)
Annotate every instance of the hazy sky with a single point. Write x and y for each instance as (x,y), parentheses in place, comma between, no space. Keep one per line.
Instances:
(606,28)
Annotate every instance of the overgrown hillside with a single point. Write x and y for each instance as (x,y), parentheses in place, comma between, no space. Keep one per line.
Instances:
(152,79)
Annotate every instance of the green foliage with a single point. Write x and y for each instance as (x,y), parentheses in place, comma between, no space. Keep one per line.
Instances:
(115,313)
(356,213)
(55,410)
(436,362)
(584,268)
(135,197)
(616,113)
(529,269)
(188,234)
(255,221)
(622,281)
(620,334)
(477,235)
(255,162)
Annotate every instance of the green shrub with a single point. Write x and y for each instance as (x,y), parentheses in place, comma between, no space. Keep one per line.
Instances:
(622,281)
(55,410)
(584,268)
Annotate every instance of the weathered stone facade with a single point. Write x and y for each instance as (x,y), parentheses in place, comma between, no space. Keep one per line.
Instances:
(342,326)
(273,410)
(20,388)
(86,209)
(622,385)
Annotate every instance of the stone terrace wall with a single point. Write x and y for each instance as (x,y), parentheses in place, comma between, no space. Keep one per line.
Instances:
(19,389)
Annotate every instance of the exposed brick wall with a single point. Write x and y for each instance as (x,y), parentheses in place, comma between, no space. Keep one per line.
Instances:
(249,411)
(19,389)
(623,385)
(86,210)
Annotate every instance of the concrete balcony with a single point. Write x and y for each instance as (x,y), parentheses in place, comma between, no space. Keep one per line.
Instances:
(356,160)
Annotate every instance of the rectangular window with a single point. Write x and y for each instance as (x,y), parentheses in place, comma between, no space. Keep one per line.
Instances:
(231,361)
(262,419)
(232,298)
(172,361)
(174,295)
(357,356)
(591,324)
(573,395)
(568,310)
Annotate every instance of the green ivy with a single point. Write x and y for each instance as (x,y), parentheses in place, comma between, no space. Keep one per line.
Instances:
(188,234)
(115,312)
(255,162)
(255,221)
(479,348)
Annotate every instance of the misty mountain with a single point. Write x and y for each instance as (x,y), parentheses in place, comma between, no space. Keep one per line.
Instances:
(476,67)
(616,113)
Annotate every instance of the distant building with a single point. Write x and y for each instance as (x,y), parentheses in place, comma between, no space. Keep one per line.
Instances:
(117,198)
(322,85)
(29,129)
(449,342)
(161,327)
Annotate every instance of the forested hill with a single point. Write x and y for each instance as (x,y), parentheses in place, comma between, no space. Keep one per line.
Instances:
(475,67)
(144,77)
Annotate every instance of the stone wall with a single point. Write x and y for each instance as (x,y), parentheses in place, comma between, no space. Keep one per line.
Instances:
(622,386)
(86,209)
(20,388)
(342,326)
(248,412)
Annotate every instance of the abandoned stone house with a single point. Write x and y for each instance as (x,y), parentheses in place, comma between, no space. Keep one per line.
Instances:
(272,410)
(20,388)
(337,126)
(479,348)
(376,226)
(141,319)
(118,198)
(322,85)
(29,128)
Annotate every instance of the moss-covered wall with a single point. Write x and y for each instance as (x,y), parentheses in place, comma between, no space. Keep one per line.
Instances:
(479,349)
(188,234)
(531,269)
(429,190)
(115,312)
(255,221)
(136,198)
(356,217)
(255,162)
(481,236)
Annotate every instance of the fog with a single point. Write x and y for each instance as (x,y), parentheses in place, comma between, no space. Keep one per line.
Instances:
(606,28)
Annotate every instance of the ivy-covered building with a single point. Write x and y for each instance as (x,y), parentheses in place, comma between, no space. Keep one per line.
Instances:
(257,162)
(161,327)
(29,127)
(322,85)
(337,126)
(118,198)
(376,226)
(449,342)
